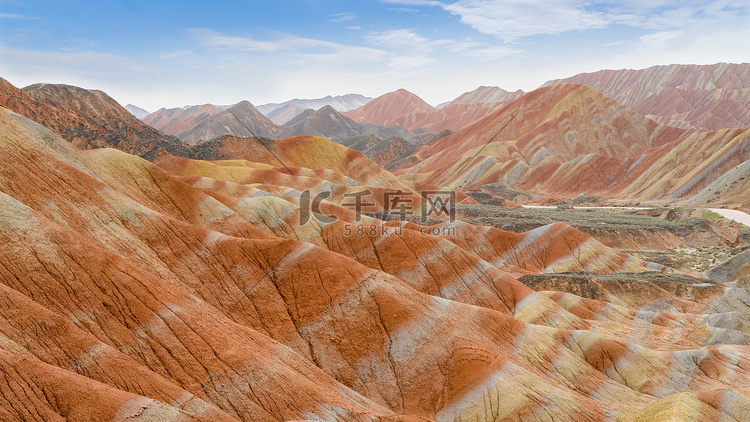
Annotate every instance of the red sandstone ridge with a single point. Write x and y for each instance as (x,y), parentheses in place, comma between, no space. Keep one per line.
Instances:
(708,96)
(568,140)
(554,124)
(55,118)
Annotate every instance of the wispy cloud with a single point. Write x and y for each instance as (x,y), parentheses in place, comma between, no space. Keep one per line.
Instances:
(343,17)
(215,40)
(514,19)
(511,19)
(409,50)
(286,44)
(404,9)
(17,16)
(176,54)
(494,53)
(400,38)
(415,2)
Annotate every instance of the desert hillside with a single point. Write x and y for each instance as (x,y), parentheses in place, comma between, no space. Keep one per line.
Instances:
(262,277)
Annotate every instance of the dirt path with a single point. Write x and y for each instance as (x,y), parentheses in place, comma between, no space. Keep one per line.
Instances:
(735,215)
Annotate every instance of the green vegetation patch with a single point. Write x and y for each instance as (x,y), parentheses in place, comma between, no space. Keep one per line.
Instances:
(710,215)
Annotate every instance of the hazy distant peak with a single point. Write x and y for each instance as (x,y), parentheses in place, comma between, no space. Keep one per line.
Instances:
(136,111)
(339,103)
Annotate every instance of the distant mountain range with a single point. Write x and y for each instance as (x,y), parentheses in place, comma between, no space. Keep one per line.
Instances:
(285,113)
(174,121)
(339,103)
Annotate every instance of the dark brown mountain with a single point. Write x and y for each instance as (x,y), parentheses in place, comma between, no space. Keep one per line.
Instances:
(86,118)
(55,118)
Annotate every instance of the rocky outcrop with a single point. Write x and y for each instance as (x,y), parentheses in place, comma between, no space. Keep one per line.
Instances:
(734,269)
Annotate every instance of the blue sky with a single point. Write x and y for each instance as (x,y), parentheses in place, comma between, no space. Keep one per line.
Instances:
(167,54)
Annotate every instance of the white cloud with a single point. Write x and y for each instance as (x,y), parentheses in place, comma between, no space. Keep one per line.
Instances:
(695,46)
(510,19)
(31,63)
(404,9)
